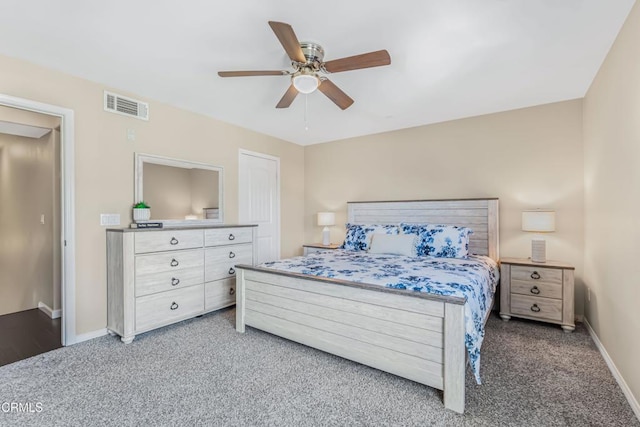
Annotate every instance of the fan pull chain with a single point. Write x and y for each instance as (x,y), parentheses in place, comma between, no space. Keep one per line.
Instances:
(306,106)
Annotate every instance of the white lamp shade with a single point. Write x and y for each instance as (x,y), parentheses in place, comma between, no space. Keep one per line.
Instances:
(326,218)
(539,221)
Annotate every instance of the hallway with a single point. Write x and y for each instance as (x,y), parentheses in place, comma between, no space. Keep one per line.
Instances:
(27,333)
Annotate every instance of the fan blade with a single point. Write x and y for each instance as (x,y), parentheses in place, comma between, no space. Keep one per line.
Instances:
(335,94)
(288,40)
(251,73)
(288,97)
(366,60)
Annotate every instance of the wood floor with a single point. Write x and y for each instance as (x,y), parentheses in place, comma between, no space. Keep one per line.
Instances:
(27,333)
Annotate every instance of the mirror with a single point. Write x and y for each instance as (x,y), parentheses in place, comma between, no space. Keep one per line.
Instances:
(179,192)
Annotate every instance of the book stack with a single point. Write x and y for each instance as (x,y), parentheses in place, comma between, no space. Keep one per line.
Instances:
(146,225)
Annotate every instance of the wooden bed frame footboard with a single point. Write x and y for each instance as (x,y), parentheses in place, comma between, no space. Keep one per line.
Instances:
(419,338)
(413,335)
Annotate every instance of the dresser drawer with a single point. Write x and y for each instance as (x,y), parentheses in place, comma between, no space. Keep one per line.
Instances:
(539,289)
(168,261)
(220,261)
(227,236)
(152,283)
(536,274)
(167,307)
(155,241)
(220,293)
(542,308)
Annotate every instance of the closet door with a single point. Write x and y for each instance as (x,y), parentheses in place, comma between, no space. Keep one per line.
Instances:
(259,201)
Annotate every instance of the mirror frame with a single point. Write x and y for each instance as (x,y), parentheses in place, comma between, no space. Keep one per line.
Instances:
(141,159)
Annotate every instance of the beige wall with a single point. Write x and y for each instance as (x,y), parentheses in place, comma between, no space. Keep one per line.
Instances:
(528,158)
(612,202)
(27,190)
(104,164)
(56,224)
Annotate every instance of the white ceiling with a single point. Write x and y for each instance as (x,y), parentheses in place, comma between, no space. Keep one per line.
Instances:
(449,59)
(19,129)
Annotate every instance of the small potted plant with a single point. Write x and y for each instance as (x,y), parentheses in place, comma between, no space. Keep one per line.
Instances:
(141,211)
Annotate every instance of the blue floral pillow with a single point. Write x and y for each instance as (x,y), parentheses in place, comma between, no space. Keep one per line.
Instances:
(446,241)
(358,236)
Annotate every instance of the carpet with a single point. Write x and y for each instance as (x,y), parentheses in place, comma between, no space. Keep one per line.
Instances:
(202,372)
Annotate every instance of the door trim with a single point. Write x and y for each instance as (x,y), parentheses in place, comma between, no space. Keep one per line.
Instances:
(244,152)
(67,206)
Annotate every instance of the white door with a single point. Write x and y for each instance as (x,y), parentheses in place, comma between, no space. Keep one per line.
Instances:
(259,201)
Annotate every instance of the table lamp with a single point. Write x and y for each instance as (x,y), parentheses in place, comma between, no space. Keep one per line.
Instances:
(539,221)
(326,219)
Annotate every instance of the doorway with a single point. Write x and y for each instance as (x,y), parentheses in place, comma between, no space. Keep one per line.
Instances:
(63,213)
(259,201)
(30,306)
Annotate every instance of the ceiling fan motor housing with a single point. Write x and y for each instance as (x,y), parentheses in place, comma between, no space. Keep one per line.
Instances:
(313,52)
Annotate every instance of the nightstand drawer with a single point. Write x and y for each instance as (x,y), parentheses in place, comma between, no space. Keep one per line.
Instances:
(536,274)
(539,289)
(542,308)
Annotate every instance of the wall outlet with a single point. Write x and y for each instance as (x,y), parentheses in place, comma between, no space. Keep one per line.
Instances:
(131,134)
(109,219)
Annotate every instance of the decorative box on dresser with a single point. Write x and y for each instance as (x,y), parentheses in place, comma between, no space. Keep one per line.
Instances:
(156,277)
(317,247)
(537,291)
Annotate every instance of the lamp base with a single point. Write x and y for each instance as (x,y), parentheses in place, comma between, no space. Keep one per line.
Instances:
(538,250)
(326,236)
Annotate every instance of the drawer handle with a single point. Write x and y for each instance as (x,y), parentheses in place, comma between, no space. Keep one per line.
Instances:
(535,308)
(174,281)
(232,255)
(232,271)
(535,275)
(535,290)
(232,237)
(174,262)
(173,241)
(174,306)
(232,291)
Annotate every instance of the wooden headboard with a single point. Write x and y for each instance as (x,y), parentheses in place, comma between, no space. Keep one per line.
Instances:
(480,215)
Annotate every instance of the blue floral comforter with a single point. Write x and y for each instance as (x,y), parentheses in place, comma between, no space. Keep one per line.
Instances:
(474,279)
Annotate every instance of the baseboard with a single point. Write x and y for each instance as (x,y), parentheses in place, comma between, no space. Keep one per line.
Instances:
(54,314)
(635,406)
(90,335)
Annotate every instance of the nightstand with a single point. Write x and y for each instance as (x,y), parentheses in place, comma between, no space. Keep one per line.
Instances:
(537,291)
(317,247)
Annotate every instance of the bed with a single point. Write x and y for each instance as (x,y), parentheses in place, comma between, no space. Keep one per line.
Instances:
(416,335)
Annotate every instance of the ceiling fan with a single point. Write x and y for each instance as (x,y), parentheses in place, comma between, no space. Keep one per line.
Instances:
(308,67)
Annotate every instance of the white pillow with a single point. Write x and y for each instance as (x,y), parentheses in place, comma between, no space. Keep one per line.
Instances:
(400,244)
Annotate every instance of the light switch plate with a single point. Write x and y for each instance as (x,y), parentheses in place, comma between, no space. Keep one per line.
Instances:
(109,219)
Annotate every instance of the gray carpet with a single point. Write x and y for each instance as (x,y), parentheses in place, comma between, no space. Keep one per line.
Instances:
(201,372)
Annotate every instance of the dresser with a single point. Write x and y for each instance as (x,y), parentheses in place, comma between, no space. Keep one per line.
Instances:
(162,276)
(537,291)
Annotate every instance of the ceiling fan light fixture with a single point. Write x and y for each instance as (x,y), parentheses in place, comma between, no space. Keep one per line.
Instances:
(305,82)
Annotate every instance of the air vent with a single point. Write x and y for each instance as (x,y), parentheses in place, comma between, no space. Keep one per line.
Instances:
(119,104)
